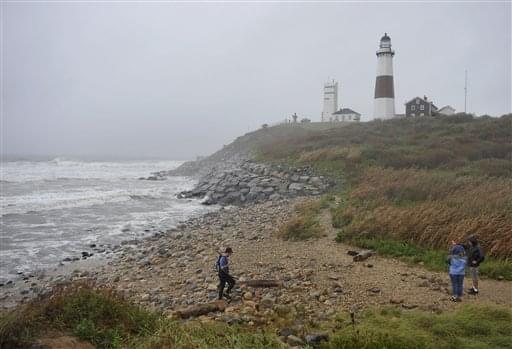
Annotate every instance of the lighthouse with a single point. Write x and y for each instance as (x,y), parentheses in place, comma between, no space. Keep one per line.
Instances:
(330,100)
(384,105)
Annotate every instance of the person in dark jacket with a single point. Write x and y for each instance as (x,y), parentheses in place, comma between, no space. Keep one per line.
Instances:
(475,257)
(224,277)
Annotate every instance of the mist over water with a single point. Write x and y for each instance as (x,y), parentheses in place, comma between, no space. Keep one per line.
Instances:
(55,209)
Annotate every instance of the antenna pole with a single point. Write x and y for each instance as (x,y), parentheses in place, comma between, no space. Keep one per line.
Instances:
(465,90)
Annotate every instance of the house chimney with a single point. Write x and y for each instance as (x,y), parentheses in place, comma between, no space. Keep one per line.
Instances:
(424,97)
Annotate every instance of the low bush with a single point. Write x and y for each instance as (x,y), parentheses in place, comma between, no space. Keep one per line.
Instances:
(98,315)
(304,224)
(300,228)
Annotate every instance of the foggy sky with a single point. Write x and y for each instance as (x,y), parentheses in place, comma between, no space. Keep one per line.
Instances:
(176,80)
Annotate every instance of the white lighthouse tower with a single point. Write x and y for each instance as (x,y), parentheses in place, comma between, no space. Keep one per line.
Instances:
(330,100)
(384,105)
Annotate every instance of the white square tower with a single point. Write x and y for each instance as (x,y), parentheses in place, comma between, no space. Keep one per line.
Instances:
(330,100)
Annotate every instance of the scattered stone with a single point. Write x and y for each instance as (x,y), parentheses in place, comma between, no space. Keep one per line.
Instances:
(424,283)
(267,303)
(316,338)
(363,255)
(282,310)
(247,295)
(294,341)
(286,331)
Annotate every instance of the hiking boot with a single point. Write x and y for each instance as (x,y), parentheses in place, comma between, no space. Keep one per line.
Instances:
(228,297)
(473,290)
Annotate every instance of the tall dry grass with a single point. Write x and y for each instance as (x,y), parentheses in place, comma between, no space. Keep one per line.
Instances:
(432,208)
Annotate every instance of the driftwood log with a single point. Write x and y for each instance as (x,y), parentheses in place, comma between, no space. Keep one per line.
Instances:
(262,283)
(363,255)
(200,309)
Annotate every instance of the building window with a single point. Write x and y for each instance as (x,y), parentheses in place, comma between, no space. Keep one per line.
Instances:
(422,107)
(413,114)
(417,101)
(413,107)
(422,114)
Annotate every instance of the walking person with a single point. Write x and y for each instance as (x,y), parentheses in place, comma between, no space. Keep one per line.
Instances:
(224,277)
(475,257)
(457,264)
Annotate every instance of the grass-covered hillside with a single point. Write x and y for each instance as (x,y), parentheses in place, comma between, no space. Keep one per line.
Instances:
(426,181)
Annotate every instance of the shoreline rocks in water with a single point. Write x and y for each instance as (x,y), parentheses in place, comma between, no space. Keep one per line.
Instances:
(251,182)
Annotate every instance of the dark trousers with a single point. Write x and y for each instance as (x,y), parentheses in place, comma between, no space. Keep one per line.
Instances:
(457,285)
(225,277)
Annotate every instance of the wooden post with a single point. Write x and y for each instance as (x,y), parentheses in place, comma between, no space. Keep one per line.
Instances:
(200,309)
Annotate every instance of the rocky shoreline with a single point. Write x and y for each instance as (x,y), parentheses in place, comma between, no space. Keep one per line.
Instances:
(249,182)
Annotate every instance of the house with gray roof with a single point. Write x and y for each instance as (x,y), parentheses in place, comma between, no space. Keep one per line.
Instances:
(346,114)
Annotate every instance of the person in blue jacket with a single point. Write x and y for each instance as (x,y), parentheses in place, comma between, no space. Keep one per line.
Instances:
(457,261)
(224,277)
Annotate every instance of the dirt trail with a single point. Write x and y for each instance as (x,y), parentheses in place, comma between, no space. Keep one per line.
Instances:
(378,280)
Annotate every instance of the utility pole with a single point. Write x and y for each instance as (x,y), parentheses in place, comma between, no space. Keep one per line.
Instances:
(465,90)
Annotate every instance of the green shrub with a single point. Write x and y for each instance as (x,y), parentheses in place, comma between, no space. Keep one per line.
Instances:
(97,315)
(304,224)
(300,228)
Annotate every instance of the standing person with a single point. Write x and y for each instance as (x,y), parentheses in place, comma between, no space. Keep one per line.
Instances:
(475,257)
(223,270)
(457,262)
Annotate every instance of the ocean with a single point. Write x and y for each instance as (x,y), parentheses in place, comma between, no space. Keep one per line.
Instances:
(55,209)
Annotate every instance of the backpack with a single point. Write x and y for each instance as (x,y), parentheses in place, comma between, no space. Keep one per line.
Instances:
(216,268)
